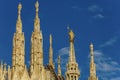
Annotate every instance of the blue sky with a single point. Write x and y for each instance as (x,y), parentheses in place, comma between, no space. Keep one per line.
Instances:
(96,21)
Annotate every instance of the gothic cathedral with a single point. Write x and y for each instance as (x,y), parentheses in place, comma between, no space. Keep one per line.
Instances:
(37,71)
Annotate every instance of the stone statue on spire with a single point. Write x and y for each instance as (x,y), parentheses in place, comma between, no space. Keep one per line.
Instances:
(19,8)
(72,72)
(91,49)
(71,35)
(37,8)
(37,20)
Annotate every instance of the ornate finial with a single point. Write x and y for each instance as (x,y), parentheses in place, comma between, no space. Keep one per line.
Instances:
(59,68)
(19,21)
(50,40)
(58,59)
(51,53)
(8,67)
(37,6)
(71,35)
(91,46)
(91,49)
(37,20)
(92,64)
(19,8)
(4,66)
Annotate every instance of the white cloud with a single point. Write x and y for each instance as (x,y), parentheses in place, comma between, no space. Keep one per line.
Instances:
(64,53)
(98,16)
(109,42)
(106,67)
(118,78)
(96,12)
(95,8)
(76,8)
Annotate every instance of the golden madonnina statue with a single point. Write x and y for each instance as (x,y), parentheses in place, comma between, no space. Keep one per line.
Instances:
(71,35)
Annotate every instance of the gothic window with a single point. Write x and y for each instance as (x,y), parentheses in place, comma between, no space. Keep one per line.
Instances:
(17,39)
(22,41)
(74,77)
(74,68)
(41,40)
(35,38)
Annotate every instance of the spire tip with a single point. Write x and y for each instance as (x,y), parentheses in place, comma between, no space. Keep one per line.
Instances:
(91,46)
(50,39)
(91,49)
(37,6)
(19,7)
(59,59)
